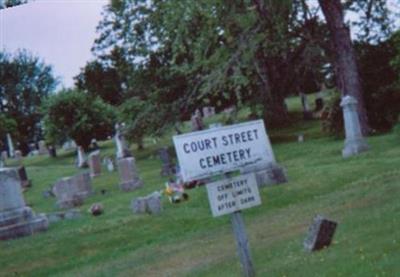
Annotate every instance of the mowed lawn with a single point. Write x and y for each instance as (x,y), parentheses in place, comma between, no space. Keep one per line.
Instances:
(361,194)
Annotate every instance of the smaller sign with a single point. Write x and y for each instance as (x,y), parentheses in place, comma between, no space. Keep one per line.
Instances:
(233,194)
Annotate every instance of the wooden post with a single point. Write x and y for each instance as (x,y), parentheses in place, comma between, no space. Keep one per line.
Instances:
(242,244)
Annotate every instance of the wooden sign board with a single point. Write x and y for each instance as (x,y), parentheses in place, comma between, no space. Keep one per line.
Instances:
(233,194)
(216,151)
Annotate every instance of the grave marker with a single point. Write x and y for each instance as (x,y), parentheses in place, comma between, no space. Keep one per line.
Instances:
(128,174)
(95,164)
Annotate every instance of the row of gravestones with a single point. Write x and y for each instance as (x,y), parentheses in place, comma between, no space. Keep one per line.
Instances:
(71,191)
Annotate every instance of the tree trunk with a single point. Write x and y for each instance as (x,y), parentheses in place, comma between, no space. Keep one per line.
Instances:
(347,79)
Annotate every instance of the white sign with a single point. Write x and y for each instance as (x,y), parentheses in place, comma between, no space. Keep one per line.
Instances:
(215,151)
(233,194)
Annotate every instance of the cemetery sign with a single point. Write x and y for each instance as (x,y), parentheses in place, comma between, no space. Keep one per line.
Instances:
(233,194)
(215,151)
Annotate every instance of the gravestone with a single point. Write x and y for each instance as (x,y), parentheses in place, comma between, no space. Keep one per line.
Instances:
(95,164)
(121,144)
(128,174)
(320,234)
(72,191)
(69,145)
(25,182)
(168,168)
(307,114)
(81,161)
(300,138)
(109,163)
(42,148)
(319,102)
(355,143)
(18,156)
(52,151)
(16,219)
(208,111)
(10,146)
(197,122)
(4,155)
(149,204)
(63,215)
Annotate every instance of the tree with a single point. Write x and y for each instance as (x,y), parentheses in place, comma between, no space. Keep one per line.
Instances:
(73,114)
(11,3)
(347,76)
(99,80)
(25,81)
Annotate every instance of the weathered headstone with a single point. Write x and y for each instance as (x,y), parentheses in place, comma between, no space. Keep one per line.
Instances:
(320,234)
(355,143)
(197,123)
(81,161)
(42,148)
(16,219)
(95,164)
(149,204)
(25,182)
(69,145)
(208,111)
(10,146)
(122,146)
(71,191)
(128,174)
(168,168)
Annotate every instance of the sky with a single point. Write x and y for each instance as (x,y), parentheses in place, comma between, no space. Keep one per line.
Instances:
(61,32)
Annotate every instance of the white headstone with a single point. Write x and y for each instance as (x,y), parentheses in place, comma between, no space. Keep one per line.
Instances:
(355,143)
(81,158)
(121,144)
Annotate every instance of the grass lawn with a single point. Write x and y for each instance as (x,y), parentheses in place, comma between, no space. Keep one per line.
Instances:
(360,193)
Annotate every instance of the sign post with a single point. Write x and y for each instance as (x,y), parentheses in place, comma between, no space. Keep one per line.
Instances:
(223,150)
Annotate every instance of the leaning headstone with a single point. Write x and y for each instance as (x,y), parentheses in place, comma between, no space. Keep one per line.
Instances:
(16,219)
(120,142)
(355,143)
(42,148)
(168,168)
(25,182)
(95,164)
(320,234)
(81,161)
(10,146)
(128,174)
(71,191)
(197,123)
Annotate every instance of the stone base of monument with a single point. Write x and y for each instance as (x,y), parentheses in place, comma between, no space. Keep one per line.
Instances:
(354,147)
(272,175)
(320,234)
(21,222)
(131,185)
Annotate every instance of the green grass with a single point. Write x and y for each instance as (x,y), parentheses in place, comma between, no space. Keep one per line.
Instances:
(361,193)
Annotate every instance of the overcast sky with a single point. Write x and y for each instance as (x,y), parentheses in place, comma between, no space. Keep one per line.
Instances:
(59,31)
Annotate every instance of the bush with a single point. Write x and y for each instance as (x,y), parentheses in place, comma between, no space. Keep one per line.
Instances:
(73,114)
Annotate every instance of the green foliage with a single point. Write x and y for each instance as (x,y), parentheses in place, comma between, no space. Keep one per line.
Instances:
(25,81)
(99,80)
(73,114)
